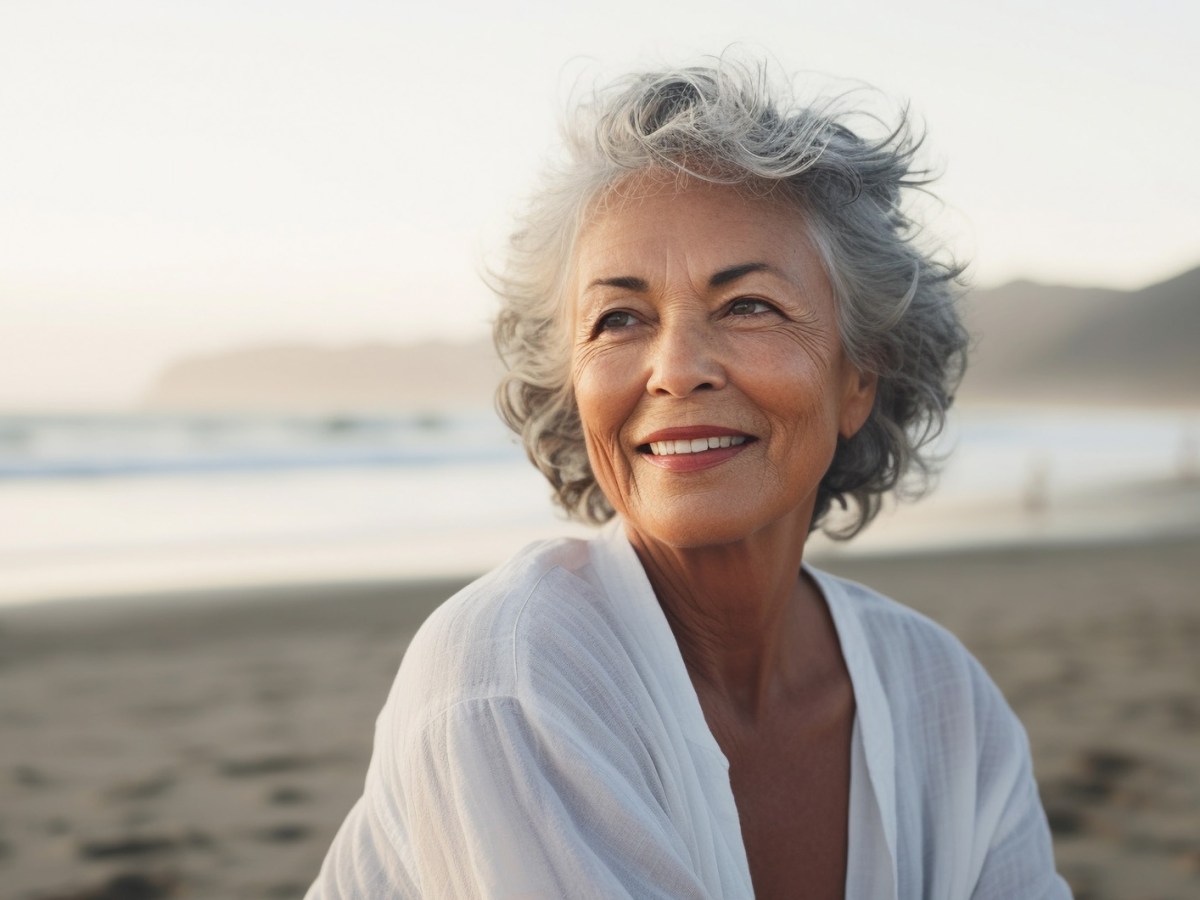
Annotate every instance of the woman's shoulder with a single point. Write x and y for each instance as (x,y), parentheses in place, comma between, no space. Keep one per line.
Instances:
(509,632)
(922,666)
(494,602)
(892,629)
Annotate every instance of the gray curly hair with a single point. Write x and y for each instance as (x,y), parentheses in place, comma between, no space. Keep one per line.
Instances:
(728,123)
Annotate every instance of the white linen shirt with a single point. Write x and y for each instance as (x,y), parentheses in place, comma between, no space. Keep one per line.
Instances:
(543,740)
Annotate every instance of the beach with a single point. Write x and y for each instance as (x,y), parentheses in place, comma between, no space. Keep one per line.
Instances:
(208,744)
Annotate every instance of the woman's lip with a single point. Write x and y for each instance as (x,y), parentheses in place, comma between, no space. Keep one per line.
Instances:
(694,462)
(692,432)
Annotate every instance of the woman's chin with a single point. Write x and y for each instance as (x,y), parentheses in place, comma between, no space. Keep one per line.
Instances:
(689,526)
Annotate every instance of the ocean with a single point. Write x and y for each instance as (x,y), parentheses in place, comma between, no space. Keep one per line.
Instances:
(97,505)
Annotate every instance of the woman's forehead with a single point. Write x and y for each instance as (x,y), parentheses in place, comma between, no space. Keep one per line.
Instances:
(650,219)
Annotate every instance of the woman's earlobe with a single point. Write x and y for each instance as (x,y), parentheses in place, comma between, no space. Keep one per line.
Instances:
(859,402)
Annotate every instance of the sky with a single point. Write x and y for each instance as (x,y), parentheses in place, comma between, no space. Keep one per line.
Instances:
(180,177)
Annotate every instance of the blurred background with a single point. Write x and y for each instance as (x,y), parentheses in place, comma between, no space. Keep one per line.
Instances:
(246,438)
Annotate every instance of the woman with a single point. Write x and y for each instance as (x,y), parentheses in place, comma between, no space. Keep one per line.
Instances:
(718,327)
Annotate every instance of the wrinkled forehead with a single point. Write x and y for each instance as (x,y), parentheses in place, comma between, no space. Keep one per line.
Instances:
(647,214)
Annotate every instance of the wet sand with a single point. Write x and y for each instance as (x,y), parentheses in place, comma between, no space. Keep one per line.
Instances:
(208,745)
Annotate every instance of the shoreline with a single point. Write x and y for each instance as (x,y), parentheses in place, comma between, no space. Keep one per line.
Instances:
(1147,510)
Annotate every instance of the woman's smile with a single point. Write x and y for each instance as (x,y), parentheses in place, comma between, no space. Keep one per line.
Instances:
(692,448)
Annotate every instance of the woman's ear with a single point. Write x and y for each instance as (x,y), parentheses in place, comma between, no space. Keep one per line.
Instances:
(857,401)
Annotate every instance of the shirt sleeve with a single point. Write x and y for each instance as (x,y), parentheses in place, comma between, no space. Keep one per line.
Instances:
(1017,856)
(492,801)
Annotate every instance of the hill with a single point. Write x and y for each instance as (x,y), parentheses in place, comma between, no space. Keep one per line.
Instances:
(1044,343)
(365,378)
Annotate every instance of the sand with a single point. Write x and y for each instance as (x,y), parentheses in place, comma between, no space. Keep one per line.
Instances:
(208,745)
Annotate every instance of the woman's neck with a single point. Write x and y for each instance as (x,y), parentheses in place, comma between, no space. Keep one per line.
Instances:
(751,628)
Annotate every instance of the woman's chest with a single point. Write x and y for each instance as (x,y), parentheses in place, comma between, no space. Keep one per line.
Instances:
(791,784)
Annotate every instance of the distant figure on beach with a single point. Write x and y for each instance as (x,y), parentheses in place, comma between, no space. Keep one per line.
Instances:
(721,335)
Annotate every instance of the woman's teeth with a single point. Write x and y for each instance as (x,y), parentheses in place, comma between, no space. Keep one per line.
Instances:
(696,445)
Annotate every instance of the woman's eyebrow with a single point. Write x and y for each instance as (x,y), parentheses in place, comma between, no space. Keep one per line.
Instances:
(625,282)
(723,277)
(733,273)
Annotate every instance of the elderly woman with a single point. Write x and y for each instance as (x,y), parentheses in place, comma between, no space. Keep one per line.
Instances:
(718,327)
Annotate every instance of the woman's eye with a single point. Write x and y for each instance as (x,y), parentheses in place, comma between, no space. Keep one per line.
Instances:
(614,320)
(749,306)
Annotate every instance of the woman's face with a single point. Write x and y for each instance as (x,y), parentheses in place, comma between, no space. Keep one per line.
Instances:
(706,362)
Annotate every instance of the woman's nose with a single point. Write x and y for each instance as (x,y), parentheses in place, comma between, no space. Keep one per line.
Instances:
(686,359)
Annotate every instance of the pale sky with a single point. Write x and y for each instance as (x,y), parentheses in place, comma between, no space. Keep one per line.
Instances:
(183,176)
